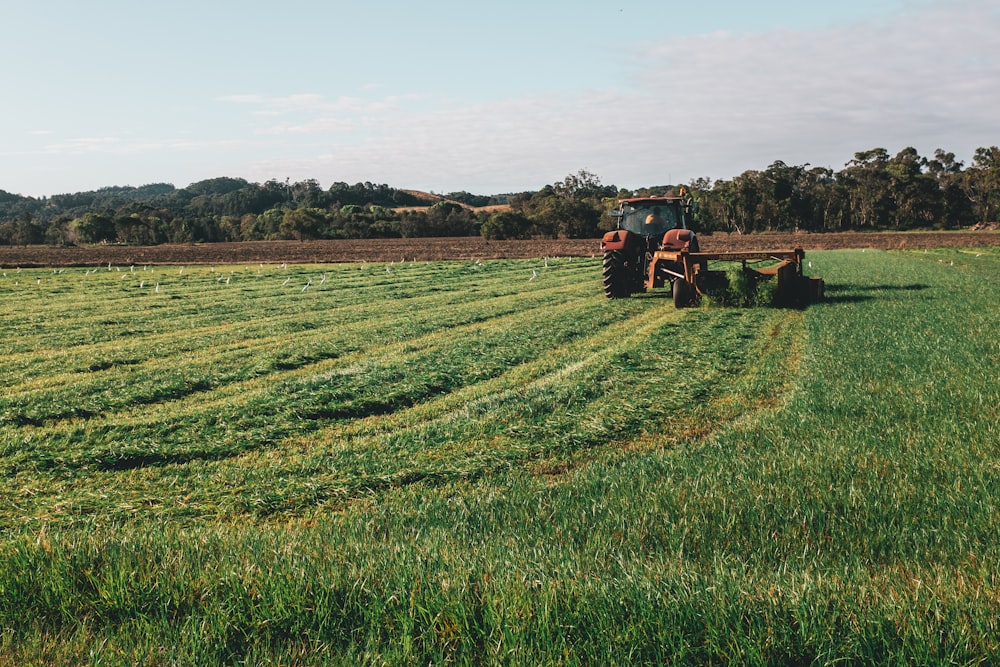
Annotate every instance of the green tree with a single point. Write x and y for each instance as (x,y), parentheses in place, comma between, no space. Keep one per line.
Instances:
(742,198)
(982,184)
(955,202)
(303,224)
(572,208)
(94,228)
(26,231)
(828,199)
(867,180)
(447,218)
(915,195)
(506,225)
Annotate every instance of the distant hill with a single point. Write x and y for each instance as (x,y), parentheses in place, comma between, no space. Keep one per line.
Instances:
(463,199)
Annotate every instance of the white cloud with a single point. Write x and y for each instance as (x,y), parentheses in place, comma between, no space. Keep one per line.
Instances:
(118,146)
(323,126)
(710,105)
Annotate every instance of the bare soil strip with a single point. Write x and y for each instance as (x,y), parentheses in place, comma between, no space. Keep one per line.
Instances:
(457,248)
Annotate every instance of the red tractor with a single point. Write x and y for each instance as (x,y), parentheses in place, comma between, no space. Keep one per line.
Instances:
(654,246)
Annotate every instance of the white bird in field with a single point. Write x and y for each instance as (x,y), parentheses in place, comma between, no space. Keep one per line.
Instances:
(286,280)
(534,274)
(157,290)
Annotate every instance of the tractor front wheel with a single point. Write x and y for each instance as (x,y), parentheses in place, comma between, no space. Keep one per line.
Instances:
(616,277)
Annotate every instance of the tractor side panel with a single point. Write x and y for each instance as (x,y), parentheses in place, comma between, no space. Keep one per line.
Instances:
(619,239)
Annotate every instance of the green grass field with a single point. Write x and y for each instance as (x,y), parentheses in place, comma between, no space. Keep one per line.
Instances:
(490,463)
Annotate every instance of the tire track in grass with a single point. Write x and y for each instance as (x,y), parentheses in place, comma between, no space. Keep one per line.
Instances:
(554,406)
(29,403)
(474,431)
(143,430)
(180,335)
(553,401)
(226,486)
(47,333)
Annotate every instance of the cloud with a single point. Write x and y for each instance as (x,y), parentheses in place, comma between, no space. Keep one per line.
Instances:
(713,105)
(321,126)
(119,146)
(707,105)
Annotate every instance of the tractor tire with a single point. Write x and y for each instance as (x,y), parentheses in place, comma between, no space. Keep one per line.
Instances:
(616,276)
(682,293)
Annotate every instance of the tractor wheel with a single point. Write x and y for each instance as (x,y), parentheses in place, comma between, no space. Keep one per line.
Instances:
(616,276)
(682,293)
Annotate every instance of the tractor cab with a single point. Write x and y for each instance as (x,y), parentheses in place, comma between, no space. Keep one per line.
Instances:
(650,217)
(652,223)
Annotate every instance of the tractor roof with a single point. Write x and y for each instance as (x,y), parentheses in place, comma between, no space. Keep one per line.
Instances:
(639,201)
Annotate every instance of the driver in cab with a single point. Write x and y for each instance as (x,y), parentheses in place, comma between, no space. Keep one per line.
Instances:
(654,217)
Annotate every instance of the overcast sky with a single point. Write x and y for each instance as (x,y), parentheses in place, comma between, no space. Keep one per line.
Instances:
(485,97)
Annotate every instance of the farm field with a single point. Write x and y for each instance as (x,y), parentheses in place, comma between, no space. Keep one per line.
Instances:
(487,462)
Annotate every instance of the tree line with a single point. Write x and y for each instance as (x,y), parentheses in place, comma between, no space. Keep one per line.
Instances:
(873,191)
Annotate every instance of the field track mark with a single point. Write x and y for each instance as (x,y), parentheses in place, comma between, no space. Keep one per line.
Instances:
(201,362)
(757,394)
(35,356)
(255,387)
(238,396)
(470,401)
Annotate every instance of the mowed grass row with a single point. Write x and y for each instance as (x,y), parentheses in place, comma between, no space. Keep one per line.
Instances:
(649,486)
(195,308)
(476,367)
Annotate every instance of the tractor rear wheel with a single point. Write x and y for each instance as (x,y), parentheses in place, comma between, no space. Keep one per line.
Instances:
(682,293)
(616,277)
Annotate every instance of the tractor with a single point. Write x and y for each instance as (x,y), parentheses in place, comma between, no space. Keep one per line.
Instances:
(653,246)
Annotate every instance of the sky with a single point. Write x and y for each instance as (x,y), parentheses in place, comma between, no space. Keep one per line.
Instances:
(488,98)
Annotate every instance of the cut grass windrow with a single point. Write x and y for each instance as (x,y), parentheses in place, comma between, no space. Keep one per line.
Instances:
(540,375)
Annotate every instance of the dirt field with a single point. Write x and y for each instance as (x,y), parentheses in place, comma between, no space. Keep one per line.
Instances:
(462,248)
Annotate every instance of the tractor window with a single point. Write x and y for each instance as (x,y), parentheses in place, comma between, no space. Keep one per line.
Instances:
(650,220)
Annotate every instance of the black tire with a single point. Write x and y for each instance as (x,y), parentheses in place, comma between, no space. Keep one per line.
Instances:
(682,293)
(616,276)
